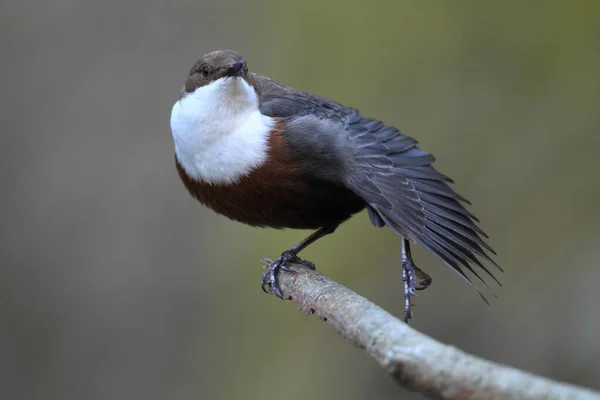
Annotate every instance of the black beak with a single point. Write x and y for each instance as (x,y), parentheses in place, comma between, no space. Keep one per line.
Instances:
(235,68)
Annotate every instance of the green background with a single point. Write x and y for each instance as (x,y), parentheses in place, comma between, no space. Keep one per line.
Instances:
(115,284)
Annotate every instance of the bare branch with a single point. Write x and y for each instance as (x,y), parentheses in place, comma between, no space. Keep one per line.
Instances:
(415,361)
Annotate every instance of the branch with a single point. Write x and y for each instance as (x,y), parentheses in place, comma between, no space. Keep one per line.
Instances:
(415,361)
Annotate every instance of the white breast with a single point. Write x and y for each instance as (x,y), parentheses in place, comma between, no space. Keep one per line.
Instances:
(219,133)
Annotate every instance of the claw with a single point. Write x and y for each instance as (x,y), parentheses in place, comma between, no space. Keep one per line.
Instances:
(275,286)
(281,264)
(288,256)
(423,278)
(286,268)
(306,263)
(269,277)
(414,279)
(409,291)
(263,282)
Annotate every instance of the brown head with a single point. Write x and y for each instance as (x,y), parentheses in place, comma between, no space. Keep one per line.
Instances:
(216,65)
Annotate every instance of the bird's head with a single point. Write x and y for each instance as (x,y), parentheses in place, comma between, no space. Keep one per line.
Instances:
(216,66)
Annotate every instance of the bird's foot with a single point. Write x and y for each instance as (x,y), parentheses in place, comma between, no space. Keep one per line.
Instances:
(423,279)
(414,279)
(282,263)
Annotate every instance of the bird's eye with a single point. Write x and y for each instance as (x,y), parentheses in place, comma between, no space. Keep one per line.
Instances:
(206,70)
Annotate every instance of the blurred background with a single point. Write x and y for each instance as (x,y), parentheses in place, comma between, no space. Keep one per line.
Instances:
(115,284)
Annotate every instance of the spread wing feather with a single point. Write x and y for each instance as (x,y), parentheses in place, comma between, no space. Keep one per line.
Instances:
(396,179)
(414,199)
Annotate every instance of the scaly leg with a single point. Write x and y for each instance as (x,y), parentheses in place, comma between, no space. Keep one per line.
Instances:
(291,255)
(410,274)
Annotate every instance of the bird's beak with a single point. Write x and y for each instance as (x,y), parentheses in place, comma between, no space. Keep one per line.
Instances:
(235,68)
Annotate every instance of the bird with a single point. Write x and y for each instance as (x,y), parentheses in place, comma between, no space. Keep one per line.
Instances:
(264,154)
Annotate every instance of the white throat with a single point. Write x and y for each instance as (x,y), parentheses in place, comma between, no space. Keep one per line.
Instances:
(219,133)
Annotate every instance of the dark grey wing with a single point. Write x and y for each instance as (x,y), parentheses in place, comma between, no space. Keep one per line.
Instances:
(315,128)
(408,194)
(281,101)
(385,168)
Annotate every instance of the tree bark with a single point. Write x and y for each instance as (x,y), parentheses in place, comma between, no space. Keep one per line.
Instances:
(415,361)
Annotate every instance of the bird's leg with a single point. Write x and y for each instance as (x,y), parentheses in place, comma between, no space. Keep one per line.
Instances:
(291,255)
(410,274)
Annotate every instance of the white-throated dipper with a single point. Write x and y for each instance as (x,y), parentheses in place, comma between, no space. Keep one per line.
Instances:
(265,154)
